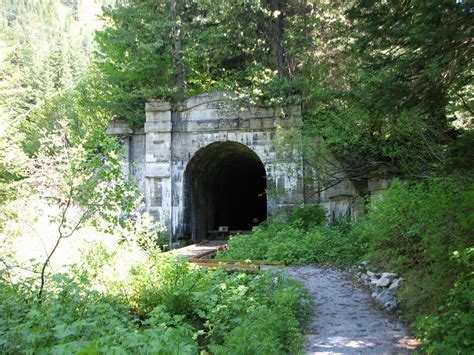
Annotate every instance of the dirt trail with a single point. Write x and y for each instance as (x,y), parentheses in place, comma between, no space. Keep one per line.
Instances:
(346,321)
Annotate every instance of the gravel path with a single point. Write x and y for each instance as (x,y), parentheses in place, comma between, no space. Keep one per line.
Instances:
(345,320)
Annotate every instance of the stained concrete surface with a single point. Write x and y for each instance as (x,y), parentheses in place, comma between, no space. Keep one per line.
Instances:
(170,160)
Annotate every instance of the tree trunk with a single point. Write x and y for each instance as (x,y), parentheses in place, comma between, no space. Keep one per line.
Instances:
(176,12)
(277,36)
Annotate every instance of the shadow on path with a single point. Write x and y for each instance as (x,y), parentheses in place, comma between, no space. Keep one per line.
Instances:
(345,320)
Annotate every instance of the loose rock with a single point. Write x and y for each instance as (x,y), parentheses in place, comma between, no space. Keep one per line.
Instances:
(386,282)
(396,283)
(383,282)
(389,275)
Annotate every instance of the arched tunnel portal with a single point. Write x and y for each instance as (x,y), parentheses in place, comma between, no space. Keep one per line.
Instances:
(224,185)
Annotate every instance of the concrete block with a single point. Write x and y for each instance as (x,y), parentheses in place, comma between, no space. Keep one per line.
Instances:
(157,170)
(118,127)
(377,184)
(158,126)
(157,105)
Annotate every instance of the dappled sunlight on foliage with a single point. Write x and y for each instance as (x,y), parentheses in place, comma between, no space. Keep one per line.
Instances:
(421,230)
(385,88)
(151,304)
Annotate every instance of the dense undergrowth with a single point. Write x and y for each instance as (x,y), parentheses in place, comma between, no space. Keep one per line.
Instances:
(158,306)
(300,238)
(424,231)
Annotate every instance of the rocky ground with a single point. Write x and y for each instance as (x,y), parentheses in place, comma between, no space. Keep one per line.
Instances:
(346,318)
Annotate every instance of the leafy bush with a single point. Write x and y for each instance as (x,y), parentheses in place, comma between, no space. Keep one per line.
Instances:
(307,216)
(451,329)
(420,224)
(162,305)
(143,230)
(293,244)
(424,231)
(74,319)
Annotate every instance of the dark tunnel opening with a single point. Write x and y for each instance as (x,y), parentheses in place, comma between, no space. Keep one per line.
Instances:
(225,185)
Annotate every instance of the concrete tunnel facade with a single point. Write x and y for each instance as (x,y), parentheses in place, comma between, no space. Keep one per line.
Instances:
(205,163)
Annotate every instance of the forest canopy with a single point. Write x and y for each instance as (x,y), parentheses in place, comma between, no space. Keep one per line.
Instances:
(377,80)
(386,90)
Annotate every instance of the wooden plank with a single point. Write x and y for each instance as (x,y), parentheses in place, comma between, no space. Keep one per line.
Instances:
(229,266)
(200,249)
(234,261)
(208,252)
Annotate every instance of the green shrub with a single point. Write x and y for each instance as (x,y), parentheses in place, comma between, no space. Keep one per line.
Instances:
(450,330)
(71,319)
(420,224)
(307,216)
(293,244)
(422,230)
(163,305)
(255,335)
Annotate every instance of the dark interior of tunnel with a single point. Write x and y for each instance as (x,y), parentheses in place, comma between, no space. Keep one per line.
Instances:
(238,194)
(224,186)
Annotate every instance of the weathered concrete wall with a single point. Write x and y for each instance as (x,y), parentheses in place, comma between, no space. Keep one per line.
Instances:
(376,186)
(158,155)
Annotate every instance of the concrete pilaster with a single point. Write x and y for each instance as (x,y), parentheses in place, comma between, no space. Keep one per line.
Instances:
(121,130)
(158,187)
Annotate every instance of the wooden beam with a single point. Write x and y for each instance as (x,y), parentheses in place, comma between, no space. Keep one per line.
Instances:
(229,266)
(208,252)
(235,261)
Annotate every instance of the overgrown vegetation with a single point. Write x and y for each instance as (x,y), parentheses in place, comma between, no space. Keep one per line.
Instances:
(424,232)
(376,80)
(302,237)
(421,230)
(384,86)
(157,305)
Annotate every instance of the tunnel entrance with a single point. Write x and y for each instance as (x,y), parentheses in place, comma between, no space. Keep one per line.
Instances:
(224,185)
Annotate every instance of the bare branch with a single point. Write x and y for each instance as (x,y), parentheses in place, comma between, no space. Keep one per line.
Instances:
(61,224)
